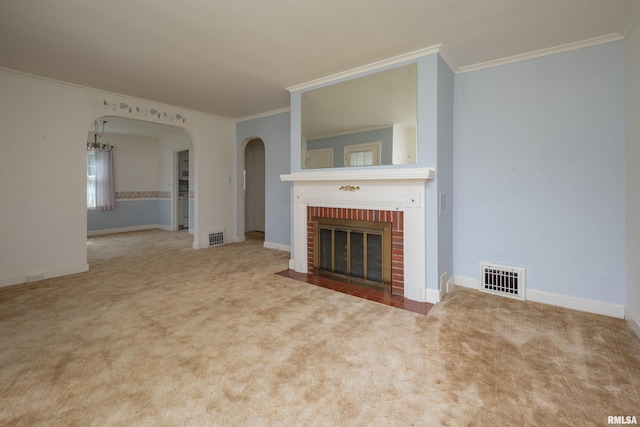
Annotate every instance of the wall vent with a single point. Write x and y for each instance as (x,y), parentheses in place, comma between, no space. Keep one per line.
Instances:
(216,238)
(502,280)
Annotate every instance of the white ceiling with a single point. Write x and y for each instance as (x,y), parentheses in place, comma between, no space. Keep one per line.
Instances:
(235,58)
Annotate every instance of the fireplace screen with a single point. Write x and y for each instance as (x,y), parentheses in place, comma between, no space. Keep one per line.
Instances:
(355,251)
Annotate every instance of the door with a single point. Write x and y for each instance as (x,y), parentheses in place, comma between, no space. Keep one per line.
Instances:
(254,165)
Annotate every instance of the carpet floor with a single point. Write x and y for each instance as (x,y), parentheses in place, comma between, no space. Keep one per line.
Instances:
(158,334)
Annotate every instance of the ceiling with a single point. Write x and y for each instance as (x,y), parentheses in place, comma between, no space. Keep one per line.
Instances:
(235,58)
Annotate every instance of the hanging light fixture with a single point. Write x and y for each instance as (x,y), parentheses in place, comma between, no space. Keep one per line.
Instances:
(95,145)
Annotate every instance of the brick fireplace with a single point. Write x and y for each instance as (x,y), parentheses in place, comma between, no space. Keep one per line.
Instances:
(395,195)
(395,218)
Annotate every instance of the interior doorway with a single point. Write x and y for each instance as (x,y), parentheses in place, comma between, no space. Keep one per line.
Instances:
(184,191)
(254,189)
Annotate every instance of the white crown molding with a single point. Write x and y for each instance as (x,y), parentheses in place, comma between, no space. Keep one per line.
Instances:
(540,53)
(265,114)
(365,68)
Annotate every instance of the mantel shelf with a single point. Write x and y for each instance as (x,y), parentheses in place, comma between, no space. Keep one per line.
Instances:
(362,175)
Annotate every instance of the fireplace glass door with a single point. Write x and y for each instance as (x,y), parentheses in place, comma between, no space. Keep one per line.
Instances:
(353,251)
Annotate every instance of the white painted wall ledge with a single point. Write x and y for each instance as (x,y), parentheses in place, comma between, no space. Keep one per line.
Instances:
(574,303)
(361,174)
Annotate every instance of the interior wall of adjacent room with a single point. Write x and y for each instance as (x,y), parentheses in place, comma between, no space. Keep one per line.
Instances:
(136,168)
(633,177)
(136,162)
(170,144)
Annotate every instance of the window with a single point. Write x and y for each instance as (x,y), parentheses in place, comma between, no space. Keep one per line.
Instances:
(91,180)
(367,154)
(100,189)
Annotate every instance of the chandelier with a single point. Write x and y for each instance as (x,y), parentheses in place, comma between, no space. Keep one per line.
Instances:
(95,145)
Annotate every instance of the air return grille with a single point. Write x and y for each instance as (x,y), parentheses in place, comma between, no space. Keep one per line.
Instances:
(502,280)
(216,238)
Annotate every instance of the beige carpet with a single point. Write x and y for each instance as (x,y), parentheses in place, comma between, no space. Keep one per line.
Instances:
(157,334)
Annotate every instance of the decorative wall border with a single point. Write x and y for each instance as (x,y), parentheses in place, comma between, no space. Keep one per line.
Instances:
(123,195)
(142,111)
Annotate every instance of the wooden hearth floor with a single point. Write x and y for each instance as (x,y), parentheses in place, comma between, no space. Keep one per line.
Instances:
(359,291)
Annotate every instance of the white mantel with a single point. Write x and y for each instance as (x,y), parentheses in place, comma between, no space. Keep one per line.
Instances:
(398,189)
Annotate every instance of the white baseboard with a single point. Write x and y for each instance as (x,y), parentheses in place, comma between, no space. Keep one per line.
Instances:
(127,229)
(292,264)
(633,321)
(278,246)
(465,282)
(581,304)
(10,281)
(574,303)
(432,296)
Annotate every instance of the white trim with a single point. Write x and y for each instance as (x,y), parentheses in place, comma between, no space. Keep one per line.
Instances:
(278,246)
(361,174)
(465,282)
(540,53)
(633,322)
(127,229)
(574,303)
(432,296)
(30,278)
(580,304)
(365,68)
(265,114)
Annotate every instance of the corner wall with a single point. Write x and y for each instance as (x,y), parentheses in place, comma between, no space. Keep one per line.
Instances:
(43,132)
(274,131)
(539,181)
(632,309)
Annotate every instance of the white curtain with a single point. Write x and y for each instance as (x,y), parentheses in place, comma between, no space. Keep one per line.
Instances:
(104,189)
(91,180)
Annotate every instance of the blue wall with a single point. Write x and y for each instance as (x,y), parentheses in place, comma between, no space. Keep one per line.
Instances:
(338,142)
(274,131)
(444,174)
(131,213)
(539,171)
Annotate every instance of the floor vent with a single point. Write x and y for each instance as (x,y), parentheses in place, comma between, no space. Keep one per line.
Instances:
(216,238)
(502,280)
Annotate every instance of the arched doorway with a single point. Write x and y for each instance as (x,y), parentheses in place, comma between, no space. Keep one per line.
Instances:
(254,189)
(146,176)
